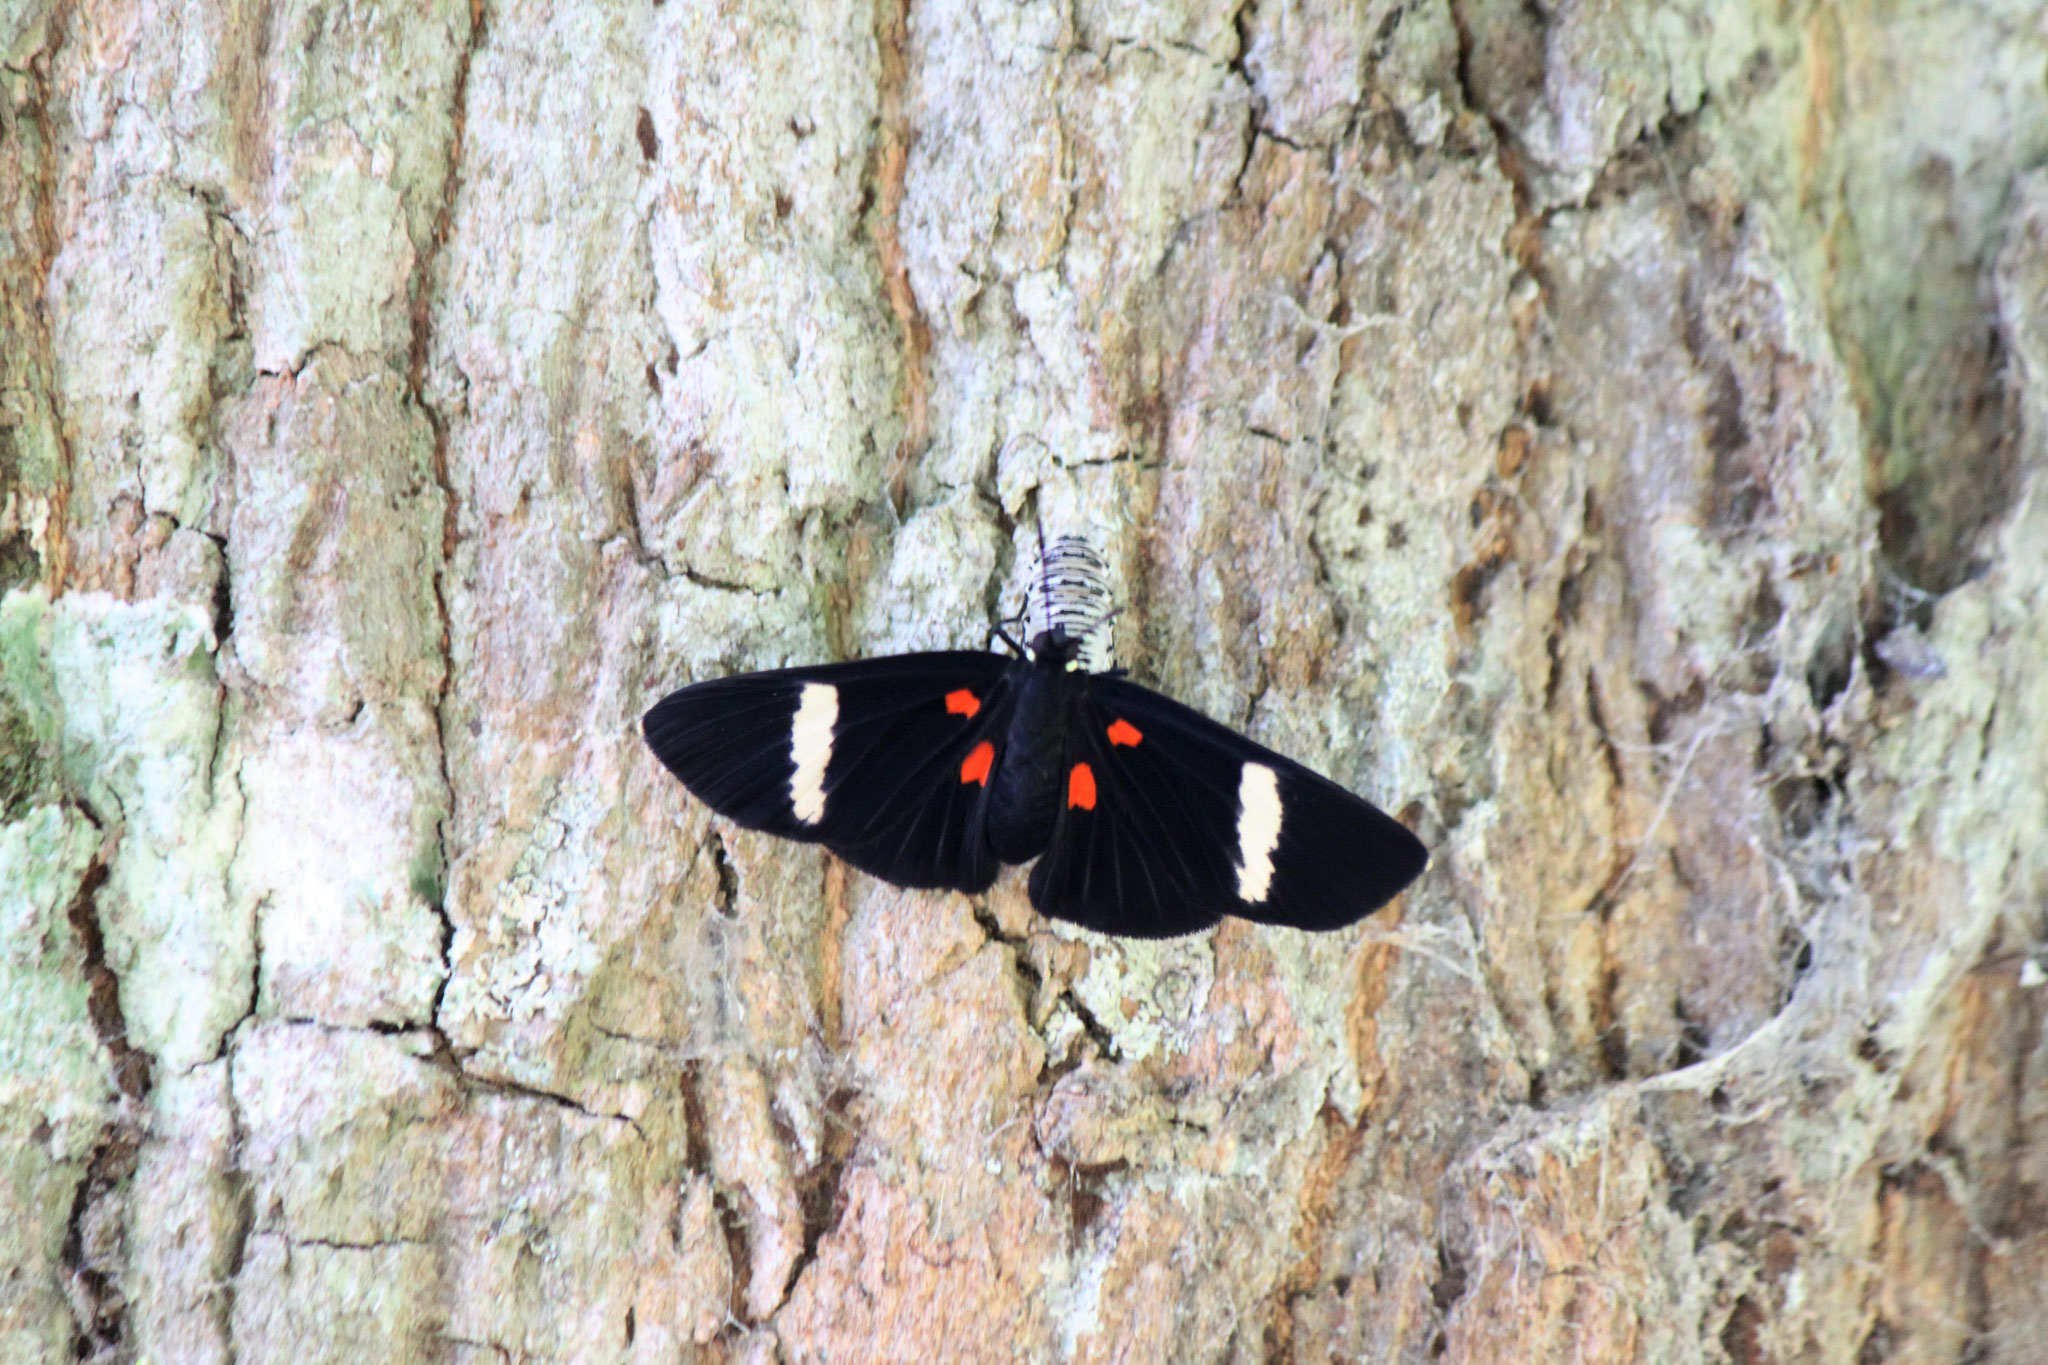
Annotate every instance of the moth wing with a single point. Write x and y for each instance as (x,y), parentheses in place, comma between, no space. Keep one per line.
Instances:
(1182,831)
(865,757)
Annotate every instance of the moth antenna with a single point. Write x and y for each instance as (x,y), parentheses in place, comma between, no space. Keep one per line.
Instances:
(1044,586)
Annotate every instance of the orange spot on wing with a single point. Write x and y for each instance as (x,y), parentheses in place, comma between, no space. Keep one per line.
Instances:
(1126,734)
(979,760)
(1081,787)
(962,702)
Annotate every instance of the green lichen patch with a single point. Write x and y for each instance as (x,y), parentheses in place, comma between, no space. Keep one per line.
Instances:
(27,721)
(21,766)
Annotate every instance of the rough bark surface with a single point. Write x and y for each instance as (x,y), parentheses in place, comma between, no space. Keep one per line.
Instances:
(1610,435)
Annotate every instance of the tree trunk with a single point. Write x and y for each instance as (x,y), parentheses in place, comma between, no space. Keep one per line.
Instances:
(1608,436)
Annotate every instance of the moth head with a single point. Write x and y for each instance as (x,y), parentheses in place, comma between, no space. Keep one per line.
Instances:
(1057,648)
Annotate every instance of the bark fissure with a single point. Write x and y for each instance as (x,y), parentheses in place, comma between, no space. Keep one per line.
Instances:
(821,1190)
(241,1189)
(892,156)
(511,1089)
(732,1219)
(43,228)
(132,1067)
(224,1046)
(420,293)
(99,1308)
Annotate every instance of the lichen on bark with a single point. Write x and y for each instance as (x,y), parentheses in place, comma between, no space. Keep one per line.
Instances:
(1608,436)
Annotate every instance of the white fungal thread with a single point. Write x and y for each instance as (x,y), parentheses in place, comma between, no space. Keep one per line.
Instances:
(1258,831)
(810,749)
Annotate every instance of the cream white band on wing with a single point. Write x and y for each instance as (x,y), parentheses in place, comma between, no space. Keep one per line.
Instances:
(810,749)
(1258,831)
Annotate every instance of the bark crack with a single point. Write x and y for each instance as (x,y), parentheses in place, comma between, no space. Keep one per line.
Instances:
(96,1227)
(343,1244)
(36,316)
(731,1219)
(1507,159)
(225,1045)
(443,1057)
(892,39)
(132,1067)
(242,1198)
(820,1190)
(99,1310)
(496,1085)
(420,290)
(712,583)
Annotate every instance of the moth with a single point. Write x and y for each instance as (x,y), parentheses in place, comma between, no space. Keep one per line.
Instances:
(1146,818)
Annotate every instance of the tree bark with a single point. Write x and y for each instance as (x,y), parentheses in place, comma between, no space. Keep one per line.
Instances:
(1609,436)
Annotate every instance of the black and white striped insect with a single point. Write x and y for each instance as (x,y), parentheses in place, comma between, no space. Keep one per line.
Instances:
(1147,819)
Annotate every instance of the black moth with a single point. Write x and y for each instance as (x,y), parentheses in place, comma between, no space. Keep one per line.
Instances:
(1147,819)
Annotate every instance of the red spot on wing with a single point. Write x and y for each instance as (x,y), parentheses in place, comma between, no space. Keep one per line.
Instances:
(1081,787)
(979,759)
(1126,734)
(962,702)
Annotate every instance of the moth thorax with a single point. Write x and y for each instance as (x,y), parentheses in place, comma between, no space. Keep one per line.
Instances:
(1069,593)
